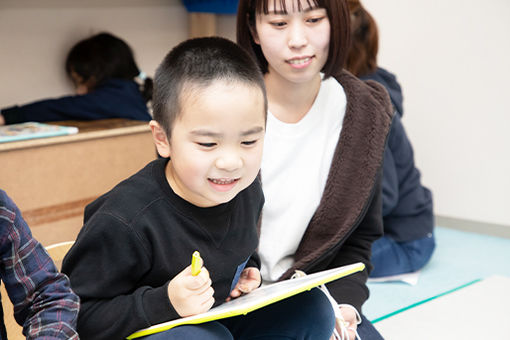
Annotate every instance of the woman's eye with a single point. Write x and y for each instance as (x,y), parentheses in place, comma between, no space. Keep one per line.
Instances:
(278,23)
(207,145)
(315,20)
(249,142)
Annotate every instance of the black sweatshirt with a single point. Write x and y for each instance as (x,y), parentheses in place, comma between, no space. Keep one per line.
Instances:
(139,236)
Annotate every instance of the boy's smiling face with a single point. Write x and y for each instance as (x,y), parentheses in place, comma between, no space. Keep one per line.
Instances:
(216,142)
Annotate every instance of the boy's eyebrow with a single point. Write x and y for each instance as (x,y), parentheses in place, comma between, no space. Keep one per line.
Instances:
(208,133)
(252,131)
(205,133)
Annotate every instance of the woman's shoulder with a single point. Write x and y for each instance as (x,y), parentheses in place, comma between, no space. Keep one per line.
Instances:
(360,90)
(366,98)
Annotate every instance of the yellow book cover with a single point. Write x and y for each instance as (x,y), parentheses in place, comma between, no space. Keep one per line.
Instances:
(259,298)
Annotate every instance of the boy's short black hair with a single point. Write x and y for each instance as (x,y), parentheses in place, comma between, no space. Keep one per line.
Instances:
(339,37)
(196,63)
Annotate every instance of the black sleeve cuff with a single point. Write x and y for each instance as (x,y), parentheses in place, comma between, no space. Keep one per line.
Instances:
(12,115)
(157,306)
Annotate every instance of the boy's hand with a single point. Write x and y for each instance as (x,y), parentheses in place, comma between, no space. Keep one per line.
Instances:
(250,279)
(190,295)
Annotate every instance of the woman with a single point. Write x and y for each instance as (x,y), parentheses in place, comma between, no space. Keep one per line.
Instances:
(323,150)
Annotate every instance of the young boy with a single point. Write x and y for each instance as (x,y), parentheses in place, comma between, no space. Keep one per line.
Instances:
(130,264)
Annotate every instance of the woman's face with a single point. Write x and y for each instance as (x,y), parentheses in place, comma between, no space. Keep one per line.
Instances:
(296,43)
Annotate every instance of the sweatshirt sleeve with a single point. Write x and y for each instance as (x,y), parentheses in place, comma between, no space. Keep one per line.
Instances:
(82,107)
(357,248)
(105,267)
(114,99)
(44,303)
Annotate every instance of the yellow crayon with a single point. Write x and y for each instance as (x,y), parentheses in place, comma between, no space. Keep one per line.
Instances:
(196,263)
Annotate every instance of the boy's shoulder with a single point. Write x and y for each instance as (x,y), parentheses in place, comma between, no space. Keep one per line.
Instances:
(253,195)
(132,195)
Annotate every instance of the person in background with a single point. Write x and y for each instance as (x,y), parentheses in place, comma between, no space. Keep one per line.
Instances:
(44,304)
(130,264)
(104,72)
(408,241)
(323,151)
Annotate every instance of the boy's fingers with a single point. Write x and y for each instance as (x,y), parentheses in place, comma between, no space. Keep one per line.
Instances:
(234,293)
(203,288)
(247,285)
(199,281)
(207,304)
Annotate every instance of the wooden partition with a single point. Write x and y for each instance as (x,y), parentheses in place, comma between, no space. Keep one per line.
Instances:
(52,179)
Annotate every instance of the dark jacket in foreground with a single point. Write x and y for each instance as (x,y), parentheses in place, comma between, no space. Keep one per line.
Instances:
(407,204)
(349,217)
(139,236)
(115,98)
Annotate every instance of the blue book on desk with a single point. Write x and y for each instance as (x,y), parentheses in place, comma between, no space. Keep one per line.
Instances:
(30,130)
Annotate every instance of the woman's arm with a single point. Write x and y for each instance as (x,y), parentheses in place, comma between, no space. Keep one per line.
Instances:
(352,289)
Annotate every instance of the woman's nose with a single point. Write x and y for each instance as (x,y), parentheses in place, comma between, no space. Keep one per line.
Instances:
(297,36)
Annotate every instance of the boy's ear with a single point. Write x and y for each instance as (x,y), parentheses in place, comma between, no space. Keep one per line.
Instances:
(160,139)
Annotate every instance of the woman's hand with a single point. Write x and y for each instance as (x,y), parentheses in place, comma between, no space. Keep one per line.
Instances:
(350,323)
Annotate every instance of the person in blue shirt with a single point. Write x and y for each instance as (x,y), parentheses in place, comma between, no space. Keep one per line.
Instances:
(408,241)
(103,70)
(44,303)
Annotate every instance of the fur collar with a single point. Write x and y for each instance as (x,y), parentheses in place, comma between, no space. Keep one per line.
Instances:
(354,170)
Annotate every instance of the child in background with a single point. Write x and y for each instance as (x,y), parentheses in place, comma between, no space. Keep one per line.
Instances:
(103,70)
(130,264)
(43,301)
(408,217)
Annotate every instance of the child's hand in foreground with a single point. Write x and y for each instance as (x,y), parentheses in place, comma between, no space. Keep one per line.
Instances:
(190,295)
(250,279)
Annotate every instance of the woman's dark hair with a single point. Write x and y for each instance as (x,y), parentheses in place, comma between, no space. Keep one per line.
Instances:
(362,57)
(338,15)
(104,56)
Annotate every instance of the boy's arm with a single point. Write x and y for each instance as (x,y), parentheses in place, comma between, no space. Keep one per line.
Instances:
(105,266)
(43,302)
(253,261)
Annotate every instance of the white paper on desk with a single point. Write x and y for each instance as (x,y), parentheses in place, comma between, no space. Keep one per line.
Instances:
(409,278)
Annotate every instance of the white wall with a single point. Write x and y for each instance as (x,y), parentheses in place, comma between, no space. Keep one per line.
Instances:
(452,60)
(35,37)
(450,57)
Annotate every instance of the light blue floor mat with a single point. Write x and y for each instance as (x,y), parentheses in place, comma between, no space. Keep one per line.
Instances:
(460,258)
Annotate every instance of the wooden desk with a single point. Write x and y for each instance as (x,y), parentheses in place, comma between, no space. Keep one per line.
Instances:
(52,179)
